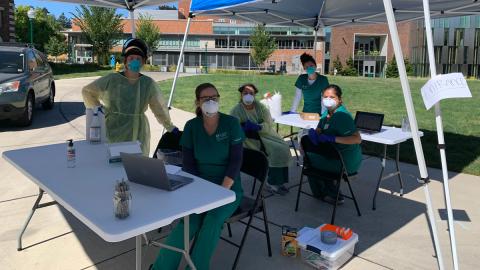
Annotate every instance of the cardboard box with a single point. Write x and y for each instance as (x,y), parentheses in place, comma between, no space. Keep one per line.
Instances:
(310,116)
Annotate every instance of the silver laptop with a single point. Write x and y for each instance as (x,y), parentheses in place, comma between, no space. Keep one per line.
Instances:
(151,172)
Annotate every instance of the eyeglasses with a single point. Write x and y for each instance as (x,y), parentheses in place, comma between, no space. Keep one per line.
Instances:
(207,98)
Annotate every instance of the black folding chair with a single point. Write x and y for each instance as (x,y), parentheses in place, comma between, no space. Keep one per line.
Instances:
(169,142)
(329,151)
(255,136)
(255,164)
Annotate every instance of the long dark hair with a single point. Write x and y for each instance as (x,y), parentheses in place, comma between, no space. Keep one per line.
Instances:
(198,91)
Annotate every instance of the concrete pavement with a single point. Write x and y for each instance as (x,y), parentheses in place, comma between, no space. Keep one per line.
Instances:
(395,236)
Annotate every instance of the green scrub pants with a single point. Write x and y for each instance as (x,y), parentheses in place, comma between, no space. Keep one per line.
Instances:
(207,228)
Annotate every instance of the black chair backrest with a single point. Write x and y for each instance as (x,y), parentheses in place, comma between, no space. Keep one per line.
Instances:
(255,136)
(255,164)
(327,150)
(169,141)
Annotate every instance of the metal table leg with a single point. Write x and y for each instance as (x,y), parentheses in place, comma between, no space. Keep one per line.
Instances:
(397,164)
(36,206)
(384,161)
(138,252)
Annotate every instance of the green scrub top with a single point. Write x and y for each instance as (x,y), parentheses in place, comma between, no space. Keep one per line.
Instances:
(212,152)
(312,94)
(341,124)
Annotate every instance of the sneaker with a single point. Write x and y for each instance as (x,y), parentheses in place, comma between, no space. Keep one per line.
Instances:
(275,189)
(331,200)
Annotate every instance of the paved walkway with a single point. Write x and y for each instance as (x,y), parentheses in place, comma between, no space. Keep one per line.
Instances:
(395,236)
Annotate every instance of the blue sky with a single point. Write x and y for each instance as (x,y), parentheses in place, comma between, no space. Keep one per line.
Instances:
(57,8)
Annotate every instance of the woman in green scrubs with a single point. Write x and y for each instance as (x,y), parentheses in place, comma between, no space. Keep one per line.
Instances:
(336,126)
(255,117)
(212,145)
(311,86)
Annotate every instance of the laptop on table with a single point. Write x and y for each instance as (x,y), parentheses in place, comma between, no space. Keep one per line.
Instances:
(151,172)
(369,122)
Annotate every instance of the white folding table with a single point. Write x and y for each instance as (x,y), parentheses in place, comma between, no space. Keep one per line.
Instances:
(388,136)
(87,192)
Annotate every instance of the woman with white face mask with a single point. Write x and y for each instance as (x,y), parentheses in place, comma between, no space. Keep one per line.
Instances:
(309,85)
(212,146)
(255,117)
(336,126)
(126,96)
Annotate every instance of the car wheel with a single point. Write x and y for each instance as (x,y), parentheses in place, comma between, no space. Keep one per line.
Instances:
(27,116)
(48,104)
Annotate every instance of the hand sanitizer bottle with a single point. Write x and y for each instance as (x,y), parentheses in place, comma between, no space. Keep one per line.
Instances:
(70,154)
(95,129)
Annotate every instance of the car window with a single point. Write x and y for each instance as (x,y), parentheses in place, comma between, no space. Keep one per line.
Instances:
(11,62)
(31,61)
(40,61)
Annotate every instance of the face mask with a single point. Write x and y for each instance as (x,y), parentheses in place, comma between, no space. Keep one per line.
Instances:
(248,99)
(310,70)
(134,65)
(210,108)
(329,103)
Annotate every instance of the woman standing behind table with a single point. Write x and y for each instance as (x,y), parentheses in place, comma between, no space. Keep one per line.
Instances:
(310,86)
(212,145)
(254,116)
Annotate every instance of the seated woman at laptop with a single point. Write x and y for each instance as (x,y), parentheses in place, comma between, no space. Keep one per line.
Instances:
(212,145)
(336,126)
(255,117)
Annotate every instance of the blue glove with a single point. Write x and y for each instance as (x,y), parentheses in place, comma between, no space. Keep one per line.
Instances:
(250,126)
(175,131)
(313,135)
(326,138)
(288,112)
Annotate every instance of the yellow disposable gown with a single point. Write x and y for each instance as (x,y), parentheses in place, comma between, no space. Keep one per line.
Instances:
(125,103)
(277,149)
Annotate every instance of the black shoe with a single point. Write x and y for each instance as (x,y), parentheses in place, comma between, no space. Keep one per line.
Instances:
(331,200)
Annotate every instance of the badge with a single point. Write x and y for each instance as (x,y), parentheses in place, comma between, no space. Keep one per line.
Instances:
(326,126)
(221,136)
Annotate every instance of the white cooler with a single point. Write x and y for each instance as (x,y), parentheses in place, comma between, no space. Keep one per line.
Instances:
(323,256)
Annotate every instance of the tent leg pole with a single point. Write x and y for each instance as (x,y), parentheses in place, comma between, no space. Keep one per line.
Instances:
(179,63)
(440,135)
(413,123)
(132,22)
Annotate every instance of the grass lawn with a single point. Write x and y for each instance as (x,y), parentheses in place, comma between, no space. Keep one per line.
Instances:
(461,117)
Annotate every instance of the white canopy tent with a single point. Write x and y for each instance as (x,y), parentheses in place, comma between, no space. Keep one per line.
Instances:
(322,13)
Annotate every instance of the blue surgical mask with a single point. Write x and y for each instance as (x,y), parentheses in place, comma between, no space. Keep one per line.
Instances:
(134,65)
(310,70)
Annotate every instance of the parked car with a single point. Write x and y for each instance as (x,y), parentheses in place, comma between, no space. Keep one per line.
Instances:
(26,79)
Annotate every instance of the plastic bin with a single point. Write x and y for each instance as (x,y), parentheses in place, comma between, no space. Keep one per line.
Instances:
(324,256)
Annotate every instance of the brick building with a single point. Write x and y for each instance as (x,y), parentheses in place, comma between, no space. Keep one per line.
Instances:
(7,21)
(213,41)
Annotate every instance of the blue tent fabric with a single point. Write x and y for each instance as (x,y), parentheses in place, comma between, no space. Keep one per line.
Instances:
(203,5)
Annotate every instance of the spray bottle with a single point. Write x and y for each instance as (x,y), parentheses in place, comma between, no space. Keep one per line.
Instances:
(70,154)
(95,129)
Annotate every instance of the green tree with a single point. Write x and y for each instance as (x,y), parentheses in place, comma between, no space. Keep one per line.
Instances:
(64,22)
(349,69)
(56,47)
(102,28)
(44,26)
(337,64)
(263,45)
(148,32)
(392,69)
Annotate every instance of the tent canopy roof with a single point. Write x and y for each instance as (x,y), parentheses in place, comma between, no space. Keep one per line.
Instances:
(126,4)
(321,13)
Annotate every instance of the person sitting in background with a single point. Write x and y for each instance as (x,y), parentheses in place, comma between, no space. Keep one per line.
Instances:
(212,146)
(336,126)
(311,86)
(255,117)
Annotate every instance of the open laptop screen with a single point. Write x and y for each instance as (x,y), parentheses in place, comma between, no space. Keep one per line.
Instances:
(371,122)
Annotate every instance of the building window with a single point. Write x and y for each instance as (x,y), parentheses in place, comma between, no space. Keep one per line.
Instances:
(220,43)
(465,54)
(438,54)
(445,36)
(452,55)
(231,43)
(459,36)
(243,43)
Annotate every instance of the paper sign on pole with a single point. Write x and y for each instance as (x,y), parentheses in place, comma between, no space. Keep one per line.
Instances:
(440,87)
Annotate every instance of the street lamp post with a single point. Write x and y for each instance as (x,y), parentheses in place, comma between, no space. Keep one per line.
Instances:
(31,16)
(206,60)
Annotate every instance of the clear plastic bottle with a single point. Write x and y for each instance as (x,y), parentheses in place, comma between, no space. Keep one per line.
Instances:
(70,154)
(95,129)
